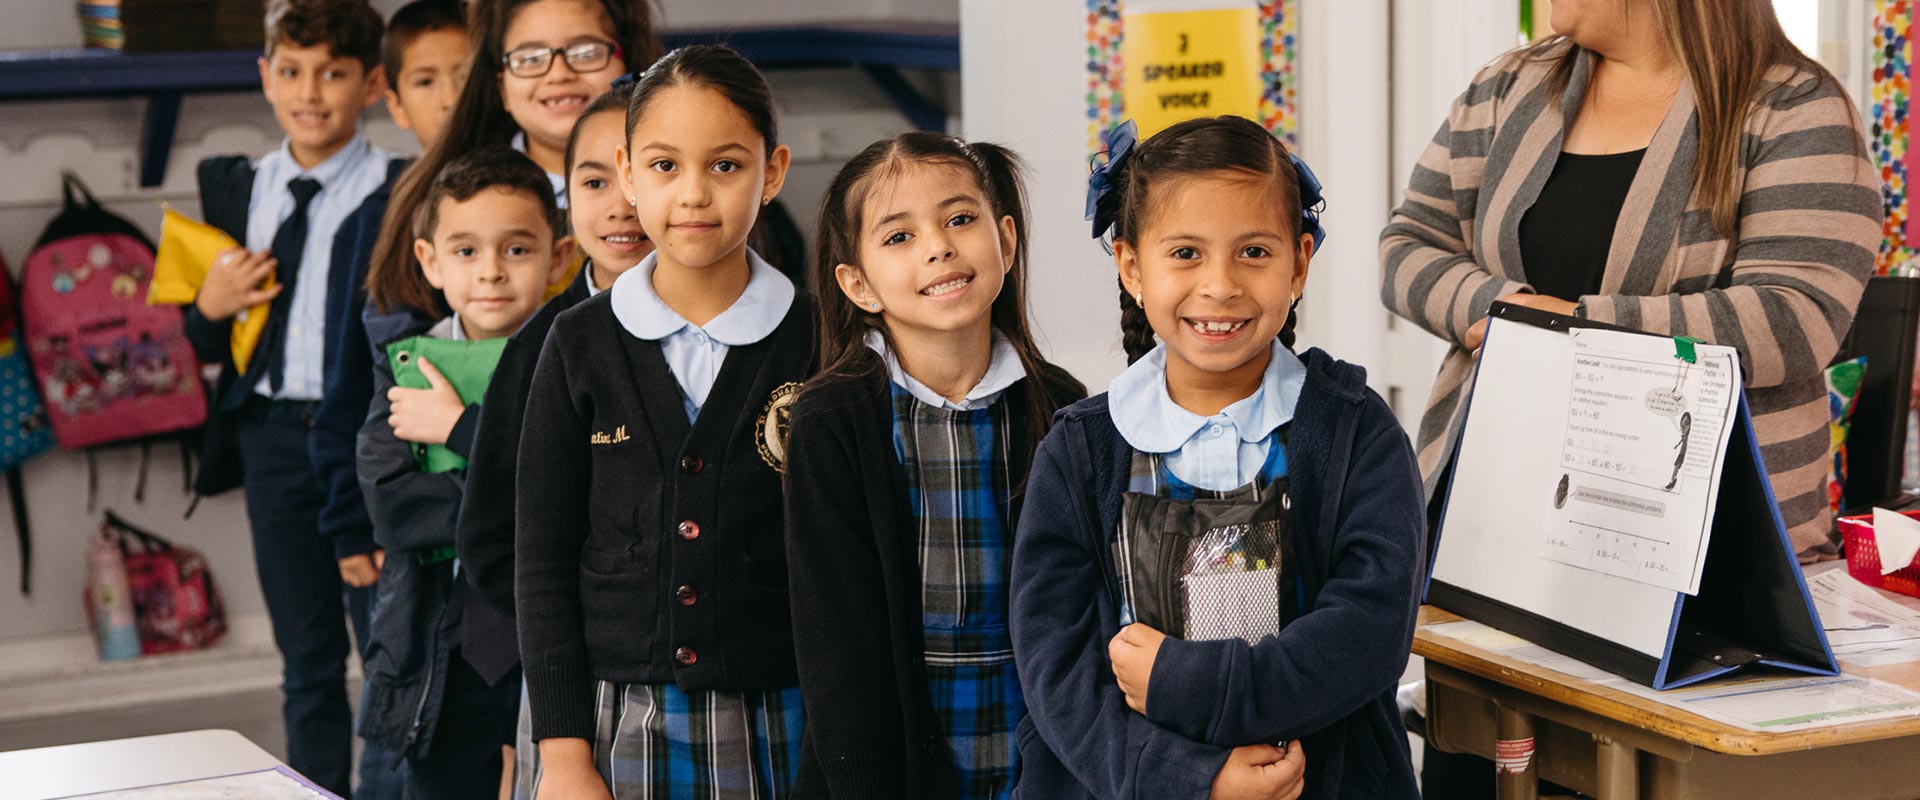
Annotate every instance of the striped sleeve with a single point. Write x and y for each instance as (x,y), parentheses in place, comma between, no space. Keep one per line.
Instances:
(1808,229)
(1428,272)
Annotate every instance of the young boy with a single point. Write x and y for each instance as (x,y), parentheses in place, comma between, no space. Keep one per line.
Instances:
(488,237)
(426,55)
(320,71)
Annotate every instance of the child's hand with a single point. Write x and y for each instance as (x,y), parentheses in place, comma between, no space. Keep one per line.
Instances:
(1133,651)
(567,772)
(425,416)
(1262,772)
(233,283)
(360,571)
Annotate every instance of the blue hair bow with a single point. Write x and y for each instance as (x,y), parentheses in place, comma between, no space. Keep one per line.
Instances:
(1312,202)
(625,82)
(1103,205)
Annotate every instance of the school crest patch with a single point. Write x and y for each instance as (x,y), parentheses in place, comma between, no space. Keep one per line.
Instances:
(776,419)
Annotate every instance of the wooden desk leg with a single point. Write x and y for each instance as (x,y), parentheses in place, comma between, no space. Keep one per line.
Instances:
(1514,775)
(1618,770)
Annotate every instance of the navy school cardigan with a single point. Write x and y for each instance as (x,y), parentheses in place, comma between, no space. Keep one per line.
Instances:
(648,549)
(1327,680)
(855,581)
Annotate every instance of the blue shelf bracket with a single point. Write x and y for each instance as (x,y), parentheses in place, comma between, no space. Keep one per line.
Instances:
(920,111)
(156,136)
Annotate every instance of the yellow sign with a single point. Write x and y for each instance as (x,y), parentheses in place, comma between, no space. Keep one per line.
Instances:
(1189,58)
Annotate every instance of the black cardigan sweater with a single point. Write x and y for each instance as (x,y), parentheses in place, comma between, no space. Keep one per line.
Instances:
(650,550)
(856,587)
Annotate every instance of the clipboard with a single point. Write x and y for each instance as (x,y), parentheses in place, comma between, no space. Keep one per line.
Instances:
(1752,610)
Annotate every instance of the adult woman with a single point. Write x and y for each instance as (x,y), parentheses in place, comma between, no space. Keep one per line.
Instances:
(1675,166)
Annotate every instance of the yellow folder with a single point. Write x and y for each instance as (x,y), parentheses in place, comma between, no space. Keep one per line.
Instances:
(187,250)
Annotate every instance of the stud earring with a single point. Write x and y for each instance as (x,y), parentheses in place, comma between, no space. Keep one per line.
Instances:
(765,201)
(1138,301)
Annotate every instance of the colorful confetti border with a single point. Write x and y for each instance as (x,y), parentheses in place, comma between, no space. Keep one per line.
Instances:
(1279,75)
(1888,139)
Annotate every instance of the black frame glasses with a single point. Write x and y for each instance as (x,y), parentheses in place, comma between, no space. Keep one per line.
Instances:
(582,58)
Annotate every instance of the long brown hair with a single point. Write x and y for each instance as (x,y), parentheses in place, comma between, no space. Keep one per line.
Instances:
(479,119)
(1726,47)
(844,326)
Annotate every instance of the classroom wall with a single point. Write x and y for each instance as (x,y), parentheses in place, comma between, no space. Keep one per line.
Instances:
(827,115)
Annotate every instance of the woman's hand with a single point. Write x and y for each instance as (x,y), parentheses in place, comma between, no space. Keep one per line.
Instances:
(1132,652)
(1262,772)
(1477,335)
(425,416)
(567,772)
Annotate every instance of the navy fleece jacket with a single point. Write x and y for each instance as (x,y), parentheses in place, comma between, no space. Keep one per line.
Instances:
(1327,680)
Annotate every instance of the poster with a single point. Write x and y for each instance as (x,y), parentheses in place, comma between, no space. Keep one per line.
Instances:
(1889,127)
(1190,58)
(1275,23)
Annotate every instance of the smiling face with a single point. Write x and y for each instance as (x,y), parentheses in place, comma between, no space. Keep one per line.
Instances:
(699,171)
(933,257)
(1217,265)
(493,255)
(317,97)
(433,68)
(604,223)
(546,107)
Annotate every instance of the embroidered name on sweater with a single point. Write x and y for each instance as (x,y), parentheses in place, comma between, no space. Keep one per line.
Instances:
(775,420)
(619,435)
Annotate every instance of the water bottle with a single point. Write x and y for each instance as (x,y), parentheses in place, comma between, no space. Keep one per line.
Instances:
(110,598)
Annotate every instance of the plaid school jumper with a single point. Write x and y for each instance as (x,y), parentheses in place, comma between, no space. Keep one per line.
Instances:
(957,488)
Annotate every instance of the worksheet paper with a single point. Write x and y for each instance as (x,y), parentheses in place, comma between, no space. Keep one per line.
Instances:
(1773,704)
(1864,625)
(1640,459)
(279,783)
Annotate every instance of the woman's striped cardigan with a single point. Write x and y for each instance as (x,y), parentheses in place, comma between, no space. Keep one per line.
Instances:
(1782,290)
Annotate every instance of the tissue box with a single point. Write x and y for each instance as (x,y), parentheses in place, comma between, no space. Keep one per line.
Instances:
(1863,557)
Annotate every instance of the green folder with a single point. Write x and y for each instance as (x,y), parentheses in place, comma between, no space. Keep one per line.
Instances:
(467,365)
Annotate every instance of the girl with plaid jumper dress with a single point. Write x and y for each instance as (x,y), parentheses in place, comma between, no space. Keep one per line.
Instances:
(907,462)
(651,588)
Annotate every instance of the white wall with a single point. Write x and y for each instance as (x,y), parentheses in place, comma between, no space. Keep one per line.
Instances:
(826,115)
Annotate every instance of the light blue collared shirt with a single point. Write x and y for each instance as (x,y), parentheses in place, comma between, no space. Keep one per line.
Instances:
(1003,370)
(345,179)
(559,181)
(695,352)
(1217,453)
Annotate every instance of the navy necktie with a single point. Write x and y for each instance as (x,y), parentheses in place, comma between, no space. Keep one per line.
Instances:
(289,244)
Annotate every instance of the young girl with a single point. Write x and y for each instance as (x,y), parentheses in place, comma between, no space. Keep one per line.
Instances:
(1265,505)
(652,586)
(547,59)
(606,229)
(908,458)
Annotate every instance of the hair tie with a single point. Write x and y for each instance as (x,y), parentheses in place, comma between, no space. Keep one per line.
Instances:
(625,82)
(1312,202)
(1103,202)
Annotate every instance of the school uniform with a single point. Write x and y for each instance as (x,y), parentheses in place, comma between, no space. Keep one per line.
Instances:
(901,504)
(258,431)
(424,702)
(1314,453)
(652,585)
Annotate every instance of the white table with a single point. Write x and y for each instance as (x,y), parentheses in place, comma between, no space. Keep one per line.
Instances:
(67,770)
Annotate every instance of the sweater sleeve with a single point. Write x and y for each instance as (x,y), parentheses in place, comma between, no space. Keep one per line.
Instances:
(842,639)
(1428,272)
(551,529)
(1061,622)
(411,510)
(487,514)
(1351,646)
(344,404)
(1808,230)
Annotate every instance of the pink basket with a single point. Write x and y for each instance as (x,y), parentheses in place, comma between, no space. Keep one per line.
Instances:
(1863,557)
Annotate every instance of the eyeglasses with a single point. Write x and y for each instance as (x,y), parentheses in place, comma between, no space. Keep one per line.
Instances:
(533,62)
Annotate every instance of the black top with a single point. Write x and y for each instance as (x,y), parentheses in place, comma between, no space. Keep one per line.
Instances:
(1565,236)
(484,538)
(650,549)
(856,588)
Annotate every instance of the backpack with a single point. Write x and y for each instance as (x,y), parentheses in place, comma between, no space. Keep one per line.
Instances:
(111,367)
(23,421)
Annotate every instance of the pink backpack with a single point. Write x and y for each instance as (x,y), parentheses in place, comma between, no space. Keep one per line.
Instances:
(111,367)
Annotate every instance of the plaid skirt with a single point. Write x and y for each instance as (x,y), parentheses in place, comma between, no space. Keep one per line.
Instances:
(655,742)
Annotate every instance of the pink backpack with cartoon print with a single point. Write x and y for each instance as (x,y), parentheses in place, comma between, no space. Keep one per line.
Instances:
(111,368)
